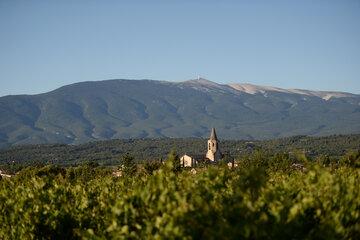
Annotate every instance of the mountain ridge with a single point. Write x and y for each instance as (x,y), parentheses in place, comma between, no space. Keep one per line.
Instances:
(252,89)
(255,88)
(121,108)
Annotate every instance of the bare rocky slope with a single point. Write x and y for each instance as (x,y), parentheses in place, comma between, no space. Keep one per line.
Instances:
(113,109)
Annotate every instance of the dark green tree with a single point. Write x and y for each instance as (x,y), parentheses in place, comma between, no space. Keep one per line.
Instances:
(323,160)
(173,161)
(351,159)
(128,165)
(226,159)
(151,166)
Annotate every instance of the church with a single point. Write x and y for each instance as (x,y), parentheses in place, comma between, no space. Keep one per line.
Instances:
(213,153)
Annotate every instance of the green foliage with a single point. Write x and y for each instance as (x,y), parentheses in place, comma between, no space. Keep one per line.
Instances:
(128,166)
(324,160)
(151,166)
(351,159)
(257,200)
(173,162)
(226,158)
(110,152)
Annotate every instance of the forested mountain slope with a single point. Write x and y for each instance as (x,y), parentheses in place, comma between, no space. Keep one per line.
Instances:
(123,109)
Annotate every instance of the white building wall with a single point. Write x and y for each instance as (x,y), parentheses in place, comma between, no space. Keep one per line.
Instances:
(187,161)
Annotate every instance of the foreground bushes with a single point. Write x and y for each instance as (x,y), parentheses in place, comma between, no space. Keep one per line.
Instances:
(253,201)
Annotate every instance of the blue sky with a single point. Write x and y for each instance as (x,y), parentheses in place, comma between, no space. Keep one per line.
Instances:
(289,44)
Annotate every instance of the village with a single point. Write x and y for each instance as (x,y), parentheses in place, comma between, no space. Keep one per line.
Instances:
(212,156)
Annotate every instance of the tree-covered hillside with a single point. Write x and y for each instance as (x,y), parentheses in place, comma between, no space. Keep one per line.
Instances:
(110,152)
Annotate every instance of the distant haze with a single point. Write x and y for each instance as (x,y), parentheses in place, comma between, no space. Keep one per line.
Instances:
(289,44)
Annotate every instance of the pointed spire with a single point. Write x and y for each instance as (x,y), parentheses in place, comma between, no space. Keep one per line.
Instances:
(213,135)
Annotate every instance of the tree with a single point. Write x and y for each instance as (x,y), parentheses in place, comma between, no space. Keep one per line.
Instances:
(128,164)
(173,161)
(351,159)
(226,159)
(151,166)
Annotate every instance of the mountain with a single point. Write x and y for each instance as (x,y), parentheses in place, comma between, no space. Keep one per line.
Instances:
(112,109)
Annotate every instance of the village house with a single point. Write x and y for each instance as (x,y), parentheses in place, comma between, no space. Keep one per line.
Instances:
(2,174)
(191,160)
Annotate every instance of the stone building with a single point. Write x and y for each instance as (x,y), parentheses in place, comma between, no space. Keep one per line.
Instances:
(191,160)
(213,153)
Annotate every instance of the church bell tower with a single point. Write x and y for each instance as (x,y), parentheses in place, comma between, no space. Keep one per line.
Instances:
(213,151)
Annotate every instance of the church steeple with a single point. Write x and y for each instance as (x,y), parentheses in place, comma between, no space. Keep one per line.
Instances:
(213,151)
(213,135)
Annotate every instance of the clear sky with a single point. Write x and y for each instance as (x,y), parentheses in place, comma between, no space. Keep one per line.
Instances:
(290,44)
